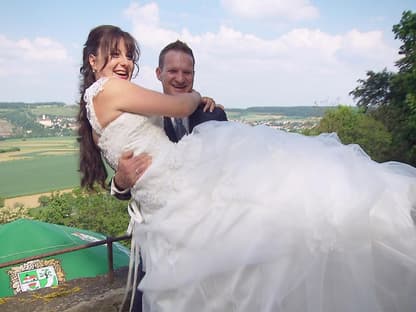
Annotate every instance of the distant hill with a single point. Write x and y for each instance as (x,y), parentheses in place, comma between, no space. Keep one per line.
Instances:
(62,109)
(24,104)
(6,128)
(19,119)
(39,109)
(288,111)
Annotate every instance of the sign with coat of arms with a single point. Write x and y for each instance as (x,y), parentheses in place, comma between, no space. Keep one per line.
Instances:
(36,274)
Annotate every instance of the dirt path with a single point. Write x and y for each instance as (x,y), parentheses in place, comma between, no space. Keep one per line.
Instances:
(29,201)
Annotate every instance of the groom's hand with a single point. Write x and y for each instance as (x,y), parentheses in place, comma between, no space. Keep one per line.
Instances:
(130,168)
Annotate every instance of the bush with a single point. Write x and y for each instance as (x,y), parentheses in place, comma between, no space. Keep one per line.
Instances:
(99,211)
(10,149)
(11,214)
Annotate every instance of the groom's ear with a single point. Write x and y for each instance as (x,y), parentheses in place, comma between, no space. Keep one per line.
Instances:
(158,72)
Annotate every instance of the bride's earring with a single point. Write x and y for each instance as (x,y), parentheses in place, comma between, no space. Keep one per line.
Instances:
(91,60)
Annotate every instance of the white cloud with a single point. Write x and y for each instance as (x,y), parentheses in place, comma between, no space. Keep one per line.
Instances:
(301,67)
(285,9)
(147,78)
(27,57)
(38,69)
(38,49)
(145,20)
(367,45)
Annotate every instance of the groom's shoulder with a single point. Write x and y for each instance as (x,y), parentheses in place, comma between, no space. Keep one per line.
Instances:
(199,116)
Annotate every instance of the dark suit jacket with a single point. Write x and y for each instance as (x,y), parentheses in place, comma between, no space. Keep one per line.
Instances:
(197,117)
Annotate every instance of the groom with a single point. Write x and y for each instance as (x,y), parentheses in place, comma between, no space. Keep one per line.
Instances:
(176,73)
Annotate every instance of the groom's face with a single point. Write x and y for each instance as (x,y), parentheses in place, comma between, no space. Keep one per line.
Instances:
(177,73)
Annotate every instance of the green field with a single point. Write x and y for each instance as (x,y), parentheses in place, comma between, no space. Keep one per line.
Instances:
(30,148)
(38,175)
(40,165)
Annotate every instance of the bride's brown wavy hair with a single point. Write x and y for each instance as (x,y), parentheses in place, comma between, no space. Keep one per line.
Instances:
(104,38)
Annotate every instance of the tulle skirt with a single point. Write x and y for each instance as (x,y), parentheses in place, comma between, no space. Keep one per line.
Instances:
(241,218)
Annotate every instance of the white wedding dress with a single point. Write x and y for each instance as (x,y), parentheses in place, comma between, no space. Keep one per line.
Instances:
(241,218)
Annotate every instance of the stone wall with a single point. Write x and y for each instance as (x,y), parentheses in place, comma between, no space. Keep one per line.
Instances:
(82,295)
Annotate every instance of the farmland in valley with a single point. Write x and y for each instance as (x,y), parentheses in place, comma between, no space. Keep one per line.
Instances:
(32,165)
(36,165)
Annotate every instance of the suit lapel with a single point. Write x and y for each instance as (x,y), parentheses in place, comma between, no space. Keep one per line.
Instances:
(169,129)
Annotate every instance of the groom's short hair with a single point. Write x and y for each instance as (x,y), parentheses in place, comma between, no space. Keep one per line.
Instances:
(175,46)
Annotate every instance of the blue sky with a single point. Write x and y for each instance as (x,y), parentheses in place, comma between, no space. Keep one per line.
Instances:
(248,52)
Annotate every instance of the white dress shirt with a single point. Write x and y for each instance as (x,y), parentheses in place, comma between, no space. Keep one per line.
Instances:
(185,121)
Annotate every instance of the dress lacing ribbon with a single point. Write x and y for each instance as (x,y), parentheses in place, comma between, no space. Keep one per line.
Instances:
(132,277)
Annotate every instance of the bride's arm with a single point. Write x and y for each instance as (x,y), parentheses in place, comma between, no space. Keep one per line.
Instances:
(123,96)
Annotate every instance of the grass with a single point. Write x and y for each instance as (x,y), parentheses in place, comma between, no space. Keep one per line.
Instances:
(41,165)
(36,147)
(38,165)
(38,175)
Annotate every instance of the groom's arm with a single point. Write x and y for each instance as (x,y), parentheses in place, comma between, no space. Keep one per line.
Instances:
(119,192)
(129,169)
(199,116)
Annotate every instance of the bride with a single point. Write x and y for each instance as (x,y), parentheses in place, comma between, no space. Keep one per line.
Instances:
(258,220)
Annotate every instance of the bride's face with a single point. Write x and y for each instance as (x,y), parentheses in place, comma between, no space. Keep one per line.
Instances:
(118,64)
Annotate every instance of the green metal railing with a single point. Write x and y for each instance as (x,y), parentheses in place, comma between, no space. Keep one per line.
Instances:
(109,241)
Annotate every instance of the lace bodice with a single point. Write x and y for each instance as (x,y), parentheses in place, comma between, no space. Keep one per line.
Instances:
(126,132)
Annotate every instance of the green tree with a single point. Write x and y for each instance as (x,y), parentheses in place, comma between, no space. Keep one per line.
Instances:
(406,32)
(374,91)
(391,97)
(353,126)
